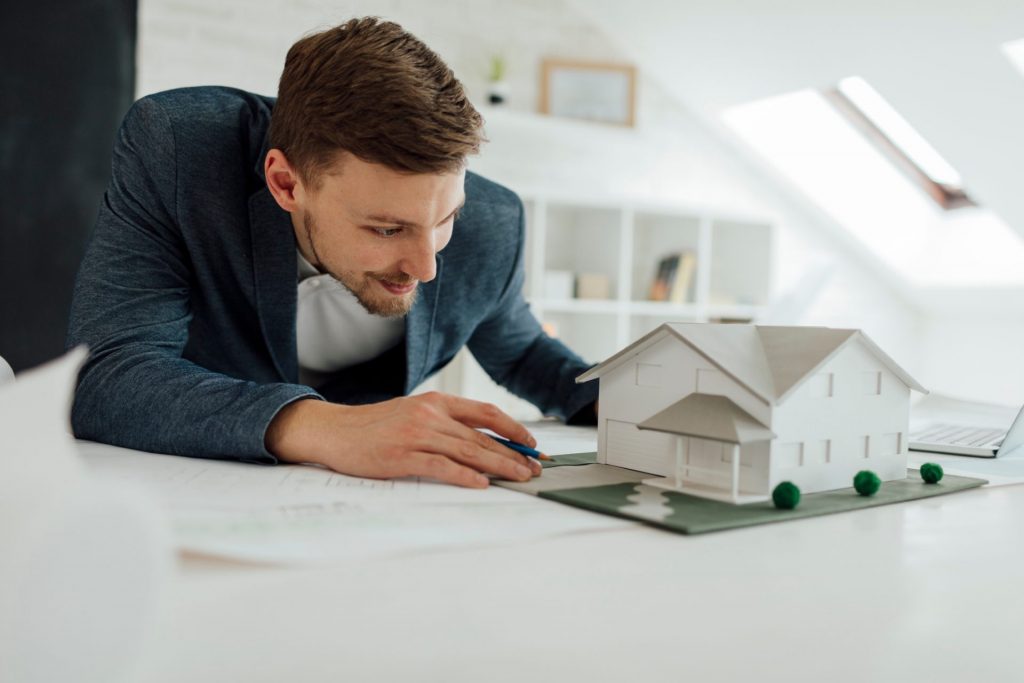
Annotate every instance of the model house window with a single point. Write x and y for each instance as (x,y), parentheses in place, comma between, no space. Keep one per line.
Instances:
(790,455)
(820,386)
(818,452)
(864,446)
(648,375)
(871,383)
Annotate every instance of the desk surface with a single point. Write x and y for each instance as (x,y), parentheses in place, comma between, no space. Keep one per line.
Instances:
(922,591)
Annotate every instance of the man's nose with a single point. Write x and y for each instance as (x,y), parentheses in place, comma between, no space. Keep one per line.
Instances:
(421,261)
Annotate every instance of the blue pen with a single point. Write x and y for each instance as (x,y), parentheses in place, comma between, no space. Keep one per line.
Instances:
(520,448)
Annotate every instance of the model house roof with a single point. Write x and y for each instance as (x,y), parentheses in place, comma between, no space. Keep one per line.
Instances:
(769,361)
(709,417)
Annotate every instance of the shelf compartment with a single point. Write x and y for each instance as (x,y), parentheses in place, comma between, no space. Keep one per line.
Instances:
(582,240)
(659,235)
(741,258)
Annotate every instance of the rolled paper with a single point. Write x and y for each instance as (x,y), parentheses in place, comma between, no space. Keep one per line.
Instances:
(84,564)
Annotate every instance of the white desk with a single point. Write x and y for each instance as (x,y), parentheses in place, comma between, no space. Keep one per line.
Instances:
(925,591)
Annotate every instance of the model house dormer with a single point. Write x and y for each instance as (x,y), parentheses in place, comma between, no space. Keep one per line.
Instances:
(729,411)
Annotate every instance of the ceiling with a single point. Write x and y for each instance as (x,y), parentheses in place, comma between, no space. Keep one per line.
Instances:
(940,64)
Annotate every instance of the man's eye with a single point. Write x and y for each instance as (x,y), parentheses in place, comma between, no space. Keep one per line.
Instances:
(387,232)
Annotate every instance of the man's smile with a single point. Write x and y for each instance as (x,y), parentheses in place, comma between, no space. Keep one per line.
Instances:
(397,289)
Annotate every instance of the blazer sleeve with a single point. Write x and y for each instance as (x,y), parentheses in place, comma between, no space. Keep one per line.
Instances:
(513,349)
(131,308)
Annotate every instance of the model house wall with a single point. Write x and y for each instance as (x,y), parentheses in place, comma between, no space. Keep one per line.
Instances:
(652,380)
(852,414)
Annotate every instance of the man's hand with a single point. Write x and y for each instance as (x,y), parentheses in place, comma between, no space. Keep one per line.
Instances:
(428,435)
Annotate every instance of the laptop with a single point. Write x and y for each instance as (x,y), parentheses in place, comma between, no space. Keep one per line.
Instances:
(963,439)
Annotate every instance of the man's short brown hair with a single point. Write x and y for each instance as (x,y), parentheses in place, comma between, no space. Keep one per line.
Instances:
(370,88)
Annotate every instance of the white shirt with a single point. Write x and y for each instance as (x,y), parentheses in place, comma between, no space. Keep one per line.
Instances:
(333,330)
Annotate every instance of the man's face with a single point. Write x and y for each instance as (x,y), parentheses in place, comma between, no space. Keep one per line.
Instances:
(376,230)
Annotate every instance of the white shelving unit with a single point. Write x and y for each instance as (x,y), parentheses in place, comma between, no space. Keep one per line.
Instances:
(624,242)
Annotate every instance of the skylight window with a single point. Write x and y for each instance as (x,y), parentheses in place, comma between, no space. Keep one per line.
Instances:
(828,158)
(1014,51)
(905,148)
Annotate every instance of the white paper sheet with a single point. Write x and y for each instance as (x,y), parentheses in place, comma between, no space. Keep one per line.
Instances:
(329,532)
(83,568)
(294,514)
(183,482)
(555,438)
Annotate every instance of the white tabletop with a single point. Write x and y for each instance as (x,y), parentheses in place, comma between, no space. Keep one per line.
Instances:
(927,591)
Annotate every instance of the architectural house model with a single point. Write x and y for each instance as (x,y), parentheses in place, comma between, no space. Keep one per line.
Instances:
(730,411)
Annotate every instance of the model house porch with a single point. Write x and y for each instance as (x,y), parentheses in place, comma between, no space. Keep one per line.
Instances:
(712,434)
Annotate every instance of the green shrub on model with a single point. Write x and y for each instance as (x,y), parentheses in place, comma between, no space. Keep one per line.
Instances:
(786,496)
(867,483)
(931,473)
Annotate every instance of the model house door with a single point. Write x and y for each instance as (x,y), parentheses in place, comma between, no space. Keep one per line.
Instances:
(706,462)
(639,449)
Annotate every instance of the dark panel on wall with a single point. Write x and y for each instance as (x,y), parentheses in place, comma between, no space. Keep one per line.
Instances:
(68,77)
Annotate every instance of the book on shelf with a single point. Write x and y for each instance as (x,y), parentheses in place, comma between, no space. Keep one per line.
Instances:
(674,281)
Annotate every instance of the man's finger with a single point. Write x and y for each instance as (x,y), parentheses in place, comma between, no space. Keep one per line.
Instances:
(454,428)
(487,415)
(471,453)
(438,467)
(487,443)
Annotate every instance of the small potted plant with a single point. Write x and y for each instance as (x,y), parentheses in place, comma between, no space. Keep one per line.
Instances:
(497,88)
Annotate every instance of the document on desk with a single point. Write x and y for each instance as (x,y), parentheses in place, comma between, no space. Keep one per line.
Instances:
(555,438)
(329,532)
(306,515)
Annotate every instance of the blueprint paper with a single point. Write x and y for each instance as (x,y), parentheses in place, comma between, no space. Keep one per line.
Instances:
(300,514)
(555,438)
(316,533)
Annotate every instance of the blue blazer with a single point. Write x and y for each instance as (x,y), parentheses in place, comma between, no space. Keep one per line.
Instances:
(186,296)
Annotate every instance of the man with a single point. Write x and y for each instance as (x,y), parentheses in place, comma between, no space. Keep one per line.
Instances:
(266,283)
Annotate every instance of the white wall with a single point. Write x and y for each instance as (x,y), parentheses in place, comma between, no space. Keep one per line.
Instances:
(669,156)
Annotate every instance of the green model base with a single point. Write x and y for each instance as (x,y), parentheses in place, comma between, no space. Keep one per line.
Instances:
(577,480)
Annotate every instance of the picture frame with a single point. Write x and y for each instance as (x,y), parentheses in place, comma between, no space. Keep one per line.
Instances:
(592,91)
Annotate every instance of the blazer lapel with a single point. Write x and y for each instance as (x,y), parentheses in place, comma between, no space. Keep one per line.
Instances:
(275,271)
(419,327)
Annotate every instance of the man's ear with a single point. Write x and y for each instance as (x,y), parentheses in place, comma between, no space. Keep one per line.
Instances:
(283,181)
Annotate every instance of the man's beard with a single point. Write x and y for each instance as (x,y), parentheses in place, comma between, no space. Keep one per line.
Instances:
(373,298)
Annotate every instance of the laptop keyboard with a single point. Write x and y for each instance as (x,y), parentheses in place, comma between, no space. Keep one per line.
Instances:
(956,435)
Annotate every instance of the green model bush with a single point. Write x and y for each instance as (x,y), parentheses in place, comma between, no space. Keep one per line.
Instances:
(931,473)
(867,483)
(786,495)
